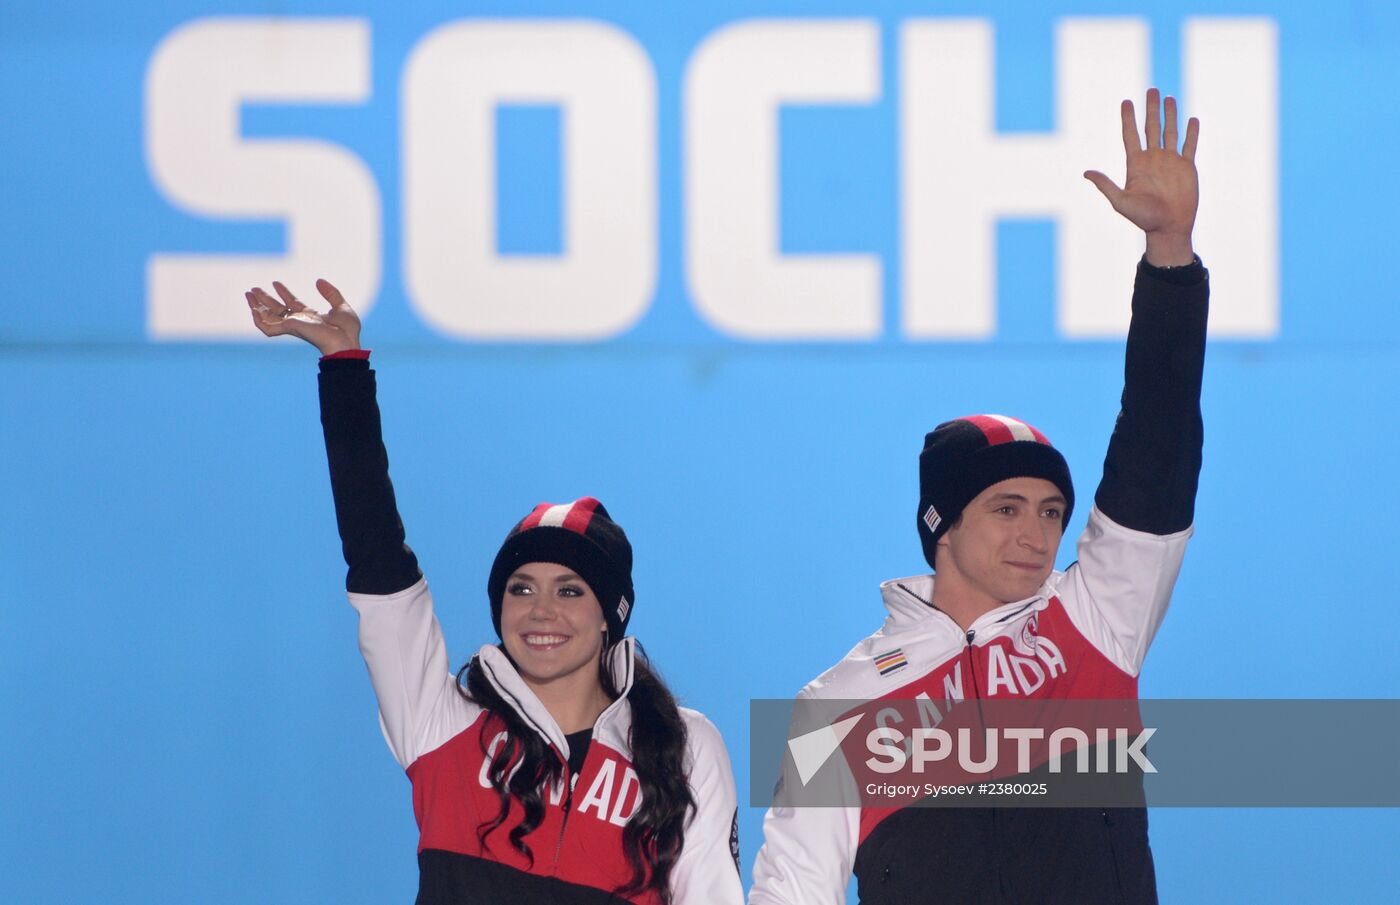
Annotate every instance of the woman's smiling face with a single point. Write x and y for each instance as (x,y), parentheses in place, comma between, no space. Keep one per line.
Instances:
(552,626)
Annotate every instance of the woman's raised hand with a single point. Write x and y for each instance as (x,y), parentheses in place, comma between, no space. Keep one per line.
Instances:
(335,331)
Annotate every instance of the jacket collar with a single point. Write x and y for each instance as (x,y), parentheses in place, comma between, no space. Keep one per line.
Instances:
(910,602)
(502,675)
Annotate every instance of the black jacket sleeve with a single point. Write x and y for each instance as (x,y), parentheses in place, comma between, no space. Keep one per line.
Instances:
(371,533)
(1154,456)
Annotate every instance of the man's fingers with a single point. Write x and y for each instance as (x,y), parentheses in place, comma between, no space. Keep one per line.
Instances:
(287,296)
(1131,141)
(1154,121)
(1193,132)
(1107,186)
(1169,126)
(330,293)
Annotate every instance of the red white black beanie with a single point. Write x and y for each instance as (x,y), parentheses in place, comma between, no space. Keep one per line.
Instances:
(964,457)
(581,536)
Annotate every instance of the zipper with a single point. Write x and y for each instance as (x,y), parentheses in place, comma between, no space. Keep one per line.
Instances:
(1108,824)
(1001,891)
(971,635)
(568,808)
(563,827)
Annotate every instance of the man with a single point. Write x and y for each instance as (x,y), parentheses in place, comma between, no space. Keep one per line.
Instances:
(994,498)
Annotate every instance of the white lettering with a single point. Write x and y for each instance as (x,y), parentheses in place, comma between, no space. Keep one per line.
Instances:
(1029,675)
(924,756)
(485,777)
(929,714)
(1230,73)
(999,678)
(959,175)
(629,780)
(1024,737)
(988,763)
(1049,653)
(1078,738)
(601,792)
(605,85)
(885,743)
(953,684)
(1134,750)
(734,85)
(199,77)
(887,716)
(888,746)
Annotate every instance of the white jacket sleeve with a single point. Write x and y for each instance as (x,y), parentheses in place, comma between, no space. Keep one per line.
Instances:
(402,643)
(1118,591)
(807,856)
(707,872)
(808,851)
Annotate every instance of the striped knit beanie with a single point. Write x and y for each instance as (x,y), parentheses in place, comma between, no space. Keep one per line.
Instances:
(581,536)
(963,457)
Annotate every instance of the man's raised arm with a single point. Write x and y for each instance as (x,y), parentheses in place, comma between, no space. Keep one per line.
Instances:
(1154,457)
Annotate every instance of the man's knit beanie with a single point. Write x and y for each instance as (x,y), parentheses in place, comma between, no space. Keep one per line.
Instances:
(965,456)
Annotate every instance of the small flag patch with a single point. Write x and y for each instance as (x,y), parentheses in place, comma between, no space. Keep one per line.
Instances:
(932,519)
(891,661)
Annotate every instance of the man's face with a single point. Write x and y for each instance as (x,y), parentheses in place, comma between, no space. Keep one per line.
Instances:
(1003,546)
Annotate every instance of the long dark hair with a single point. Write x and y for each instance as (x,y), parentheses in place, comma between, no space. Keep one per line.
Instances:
(655,834)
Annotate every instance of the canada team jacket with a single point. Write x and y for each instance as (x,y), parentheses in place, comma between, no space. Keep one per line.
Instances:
(1083,636)
(440,738)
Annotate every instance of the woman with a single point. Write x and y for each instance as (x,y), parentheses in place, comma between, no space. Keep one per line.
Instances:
(554,767)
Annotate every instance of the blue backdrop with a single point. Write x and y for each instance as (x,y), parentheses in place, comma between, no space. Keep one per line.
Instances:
(186,715)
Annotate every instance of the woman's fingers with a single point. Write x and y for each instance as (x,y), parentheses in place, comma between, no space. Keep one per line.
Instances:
(289,316)
(265,318)
(288,297)
(262,303)
(266,302)
(276,318)
(330,293)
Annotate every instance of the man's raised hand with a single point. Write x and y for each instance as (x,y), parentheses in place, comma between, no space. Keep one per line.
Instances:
(1160,193)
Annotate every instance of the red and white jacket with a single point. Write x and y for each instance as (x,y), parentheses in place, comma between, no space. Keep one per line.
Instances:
(1083,636)
(436,735)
